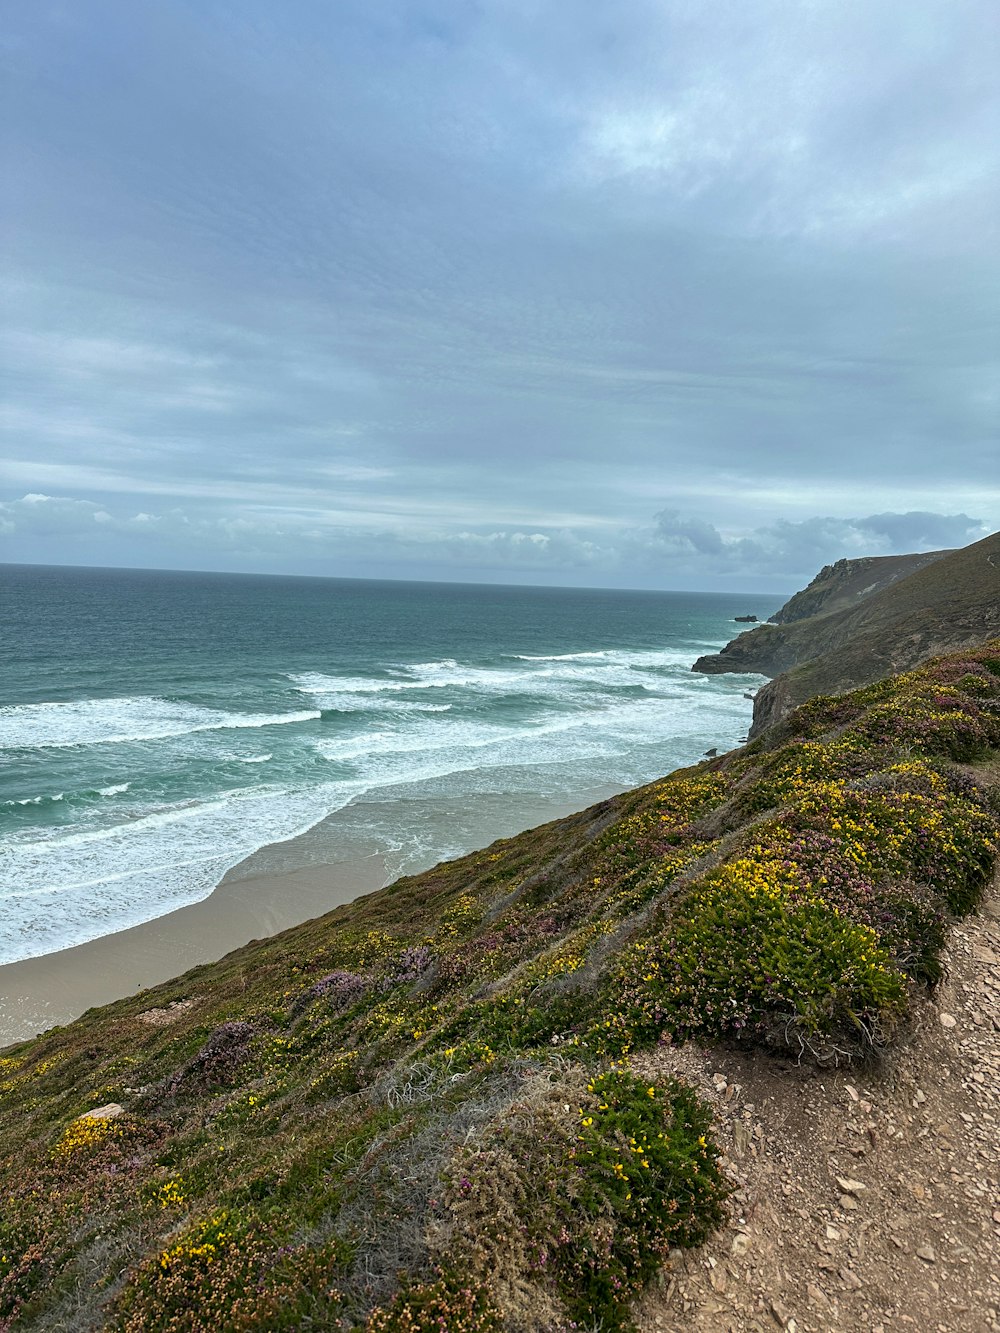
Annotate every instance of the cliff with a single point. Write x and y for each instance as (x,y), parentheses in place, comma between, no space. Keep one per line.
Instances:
(477,1099)
(841,586)
(950,600)
(952,603)
(835,593)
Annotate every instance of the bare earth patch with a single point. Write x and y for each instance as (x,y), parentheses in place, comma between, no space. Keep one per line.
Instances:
(864,1200)
(160,1018)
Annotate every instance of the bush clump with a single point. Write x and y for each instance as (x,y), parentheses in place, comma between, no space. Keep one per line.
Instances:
(746,955)
(227,1272)
(570,1201)
(447,1305)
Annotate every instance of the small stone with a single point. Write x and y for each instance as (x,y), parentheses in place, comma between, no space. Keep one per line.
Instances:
(832,1233)
(919,1096)
(946,1020)
(850,1186)
(926,1252)
(780,1313)
(850,1279)
(852,1092)
(847,1203)
(110,1112)
(741,1243)
(718,1279)
(814,1296)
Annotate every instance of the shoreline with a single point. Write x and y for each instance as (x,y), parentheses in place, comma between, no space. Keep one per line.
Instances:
(255,899)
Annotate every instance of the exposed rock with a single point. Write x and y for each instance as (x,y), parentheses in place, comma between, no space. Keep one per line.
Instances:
(159,1018)
(110,1112)
(851,1186)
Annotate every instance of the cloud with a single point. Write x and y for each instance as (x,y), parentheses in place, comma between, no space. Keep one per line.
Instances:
(688,535)
(671,551)
(918,532)
(459,277)
(801,548)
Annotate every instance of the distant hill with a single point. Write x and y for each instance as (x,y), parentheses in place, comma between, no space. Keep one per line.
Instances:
(837,588)
(841,586)
(949,603)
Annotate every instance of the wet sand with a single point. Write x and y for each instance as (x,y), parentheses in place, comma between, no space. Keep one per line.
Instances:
(39,993)
(255,899)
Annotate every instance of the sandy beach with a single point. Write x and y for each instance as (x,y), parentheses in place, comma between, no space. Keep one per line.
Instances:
(39,993)
(255,899)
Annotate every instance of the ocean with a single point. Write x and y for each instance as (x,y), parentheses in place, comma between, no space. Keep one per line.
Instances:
(157,728)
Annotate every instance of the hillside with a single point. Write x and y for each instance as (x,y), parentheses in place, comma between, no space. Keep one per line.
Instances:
(841,586)
(446,1104)
(951,603)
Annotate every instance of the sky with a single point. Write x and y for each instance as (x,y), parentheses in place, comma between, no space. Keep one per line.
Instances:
(651,293)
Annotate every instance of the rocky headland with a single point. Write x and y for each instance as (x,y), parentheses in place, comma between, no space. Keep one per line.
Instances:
(860,620)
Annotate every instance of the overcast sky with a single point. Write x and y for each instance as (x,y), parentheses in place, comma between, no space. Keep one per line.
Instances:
(649,293)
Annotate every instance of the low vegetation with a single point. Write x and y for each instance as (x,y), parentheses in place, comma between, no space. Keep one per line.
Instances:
(418,1112)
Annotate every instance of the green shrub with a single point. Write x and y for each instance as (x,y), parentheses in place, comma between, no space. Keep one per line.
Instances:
(750,954)
(227,1272)
(579,1191)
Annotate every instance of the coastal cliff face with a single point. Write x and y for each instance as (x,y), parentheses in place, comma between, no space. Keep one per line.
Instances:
(950,600)
(482,1078)
(950,604)
(841,586)
(835,592)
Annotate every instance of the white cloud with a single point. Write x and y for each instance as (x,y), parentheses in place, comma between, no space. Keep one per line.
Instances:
(484,287)
(672,551)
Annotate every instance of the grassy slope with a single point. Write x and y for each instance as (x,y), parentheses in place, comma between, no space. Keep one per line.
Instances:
(433,1080)
(843,586)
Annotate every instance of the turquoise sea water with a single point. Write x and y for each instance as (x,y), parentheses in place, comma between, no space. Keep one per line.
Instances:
(156,728)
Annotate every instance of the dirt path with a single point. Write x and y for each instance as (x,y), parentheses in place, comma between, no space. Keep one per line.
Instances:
(865,1201)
